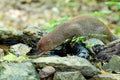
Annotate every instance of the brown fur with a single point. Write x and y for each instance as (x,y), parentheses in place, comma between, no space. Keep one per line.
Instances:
(81,26)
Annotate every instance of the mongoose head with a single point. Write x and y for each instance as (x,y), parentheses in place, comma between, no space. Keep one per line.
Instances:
(45,44)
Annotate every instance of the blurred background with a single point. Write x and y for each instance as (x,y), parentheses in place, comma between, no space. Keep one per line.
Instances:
(49,13)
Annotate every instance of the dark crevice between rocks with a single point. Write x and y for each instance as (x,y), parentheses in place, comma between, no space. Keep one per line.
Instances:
(10,41)
(69,48)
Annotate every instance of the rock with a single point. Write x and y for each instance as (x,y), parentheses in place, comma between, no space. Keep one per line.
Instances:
(9,35)
(33,30)
(31,35)
(113,65)
(106,77)
(1,53)
(113,48)
(19,49)
(92,42)
(86,68)
(8,32)
(17,71)
(46,71)
(74,75)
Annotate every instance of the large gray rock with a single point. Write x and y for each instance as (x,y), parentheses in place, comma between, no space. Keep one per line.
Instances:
(113,65)
(33,31)
(75,75)
(106,77)
(86,68)
(30,35)
(17,71)
(8,32)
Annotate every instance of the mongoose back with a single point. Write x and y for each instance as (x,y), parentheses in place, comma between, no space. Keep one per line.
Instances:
(80,26)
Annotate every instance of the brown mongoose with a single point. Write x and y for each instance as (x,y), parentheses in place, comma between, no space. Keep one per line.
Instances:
(80,26)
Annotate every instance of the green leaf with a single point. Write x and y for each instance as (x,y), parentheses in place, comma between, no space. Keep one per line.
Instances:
(117,30)
(63,18)
(71,4)
(53,23)
(110,2)
(97,13)
(78,39)
(113,3)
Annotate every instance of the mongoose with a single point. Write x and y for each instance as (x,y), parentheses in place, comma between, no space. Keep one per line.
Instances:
(80,26)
